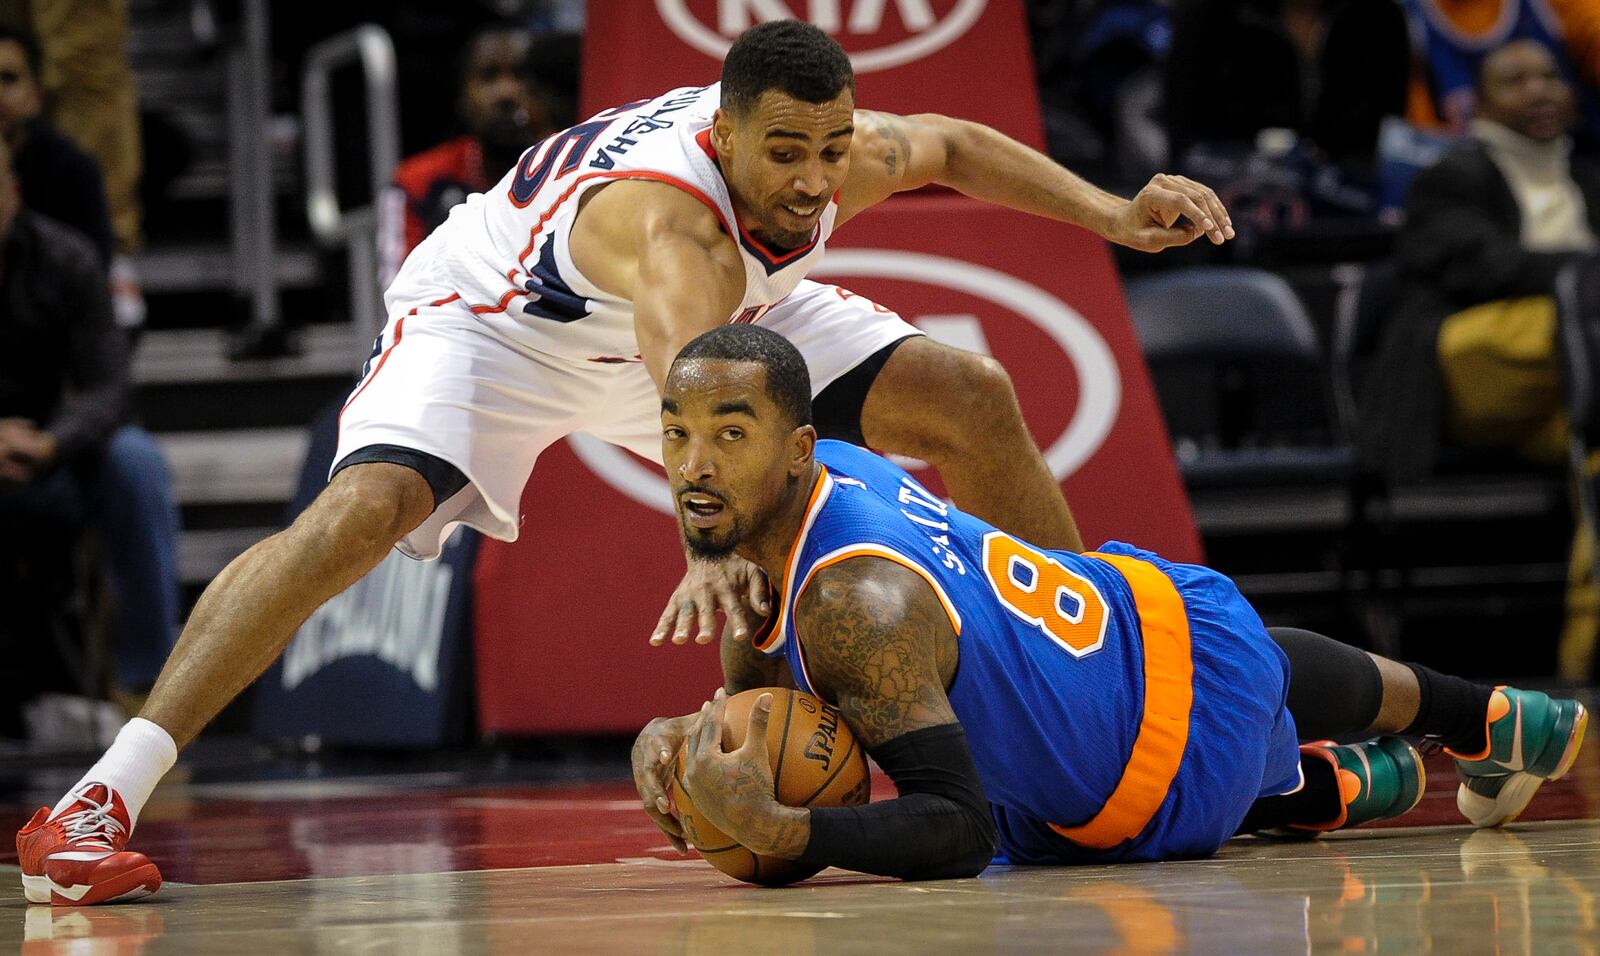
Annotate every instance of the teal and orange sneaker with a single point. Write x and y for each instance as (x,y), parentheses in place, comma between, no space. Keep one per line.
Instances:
(1533,737)
(1379,779)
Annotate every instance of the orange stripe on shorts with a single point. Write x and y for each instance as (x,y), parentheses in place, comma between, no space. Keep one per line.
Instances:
(1168,696)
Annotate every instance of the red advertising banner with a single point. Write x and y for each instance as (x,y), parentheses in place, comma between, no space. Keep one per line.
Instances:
(564,614)
(965,58)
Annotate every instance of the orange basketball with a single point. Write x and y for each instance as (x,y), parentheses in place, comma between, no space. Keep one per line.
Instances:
(815,763)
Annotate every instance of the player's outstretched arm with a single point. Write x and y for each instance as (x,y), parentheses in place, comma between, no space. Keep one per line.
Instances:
(875,636)
(663,250)
(890,154)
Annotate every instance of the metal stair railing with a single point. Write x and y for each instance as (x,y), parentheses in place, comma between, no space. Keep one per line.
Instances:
(370,47)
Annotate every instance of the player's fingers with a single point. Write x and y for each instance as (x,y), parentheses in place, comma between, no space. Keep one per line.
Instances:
(685,611)
(707,619)
(1214,218)
(669,617)
(703,730)
(755,737)
(1170,201)
(732,606)
(1213,203)
(669,827)
(758,593)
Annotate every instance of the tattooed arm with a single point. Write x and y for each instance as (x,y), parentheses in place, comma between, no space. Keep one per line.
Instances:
(878,645)
(745,668)
(890,154)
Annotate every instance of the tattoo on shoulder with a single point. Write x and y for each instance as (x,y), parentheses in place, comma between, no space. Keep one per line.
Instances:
(893,129)
(873,634)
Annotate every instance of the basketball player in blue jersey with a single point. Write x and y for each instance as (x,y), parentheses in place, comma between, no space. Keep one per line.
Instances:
(553,302)
(1063,707)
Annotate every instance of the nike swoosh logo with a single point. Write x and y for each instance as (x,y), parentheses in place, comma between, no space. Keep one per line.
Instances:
(1515,763)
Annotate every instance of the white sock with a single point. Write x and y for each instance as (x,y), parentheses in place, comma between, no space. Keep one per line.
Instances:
(139,757)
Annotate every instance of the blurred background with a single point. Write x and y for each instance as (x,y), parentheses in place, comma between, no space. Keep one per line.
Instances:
(1376,397)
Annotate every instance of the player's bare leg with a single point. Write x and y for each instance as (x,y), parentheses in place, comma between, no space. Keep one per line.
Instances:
(75,853)
(957,411)
(246,618)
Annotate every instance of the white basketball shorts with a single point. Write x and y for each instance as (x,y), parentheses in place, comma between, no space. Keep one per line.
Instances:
(443,383)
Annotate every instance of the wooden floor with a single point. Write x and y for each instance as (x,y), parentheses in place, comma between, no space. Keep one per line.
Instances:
(422,864)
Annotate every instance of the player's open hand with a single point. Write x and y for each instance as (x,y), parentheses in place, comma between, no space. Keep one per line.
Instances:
(731,585)
(654,752)
(1171,211)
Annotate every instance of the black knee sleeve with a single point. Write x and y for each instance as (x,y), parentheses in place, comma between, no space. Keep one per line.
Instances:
(1335,690)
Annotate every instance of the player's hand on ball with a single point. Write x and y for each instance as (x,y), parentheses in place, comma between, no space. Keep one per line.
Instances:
(653,753)
(731,585)
(734,791)
(1171,211)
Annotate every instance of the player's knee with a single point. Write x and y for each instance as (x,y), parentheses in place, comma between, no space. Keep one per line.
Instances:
(367,508)
(981,407)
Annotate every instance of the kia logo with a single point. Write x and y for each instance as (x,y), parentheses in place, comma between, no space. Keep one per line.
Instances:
(1099,382)
(854,23)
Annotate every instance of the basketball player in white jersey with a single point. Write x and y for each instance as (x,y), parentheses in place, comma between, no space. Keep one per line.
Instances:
(554,303)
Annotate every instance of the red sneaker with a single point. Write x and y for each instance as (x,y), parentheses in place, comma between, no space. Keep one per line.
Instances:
(76,858)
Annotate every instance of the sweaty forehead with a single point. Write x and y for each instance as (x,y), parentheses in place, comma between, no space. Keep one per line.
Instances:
(700,384)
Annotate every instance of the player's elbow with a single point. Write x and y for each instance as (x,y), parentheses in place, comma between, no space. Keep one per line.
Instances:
(977,852)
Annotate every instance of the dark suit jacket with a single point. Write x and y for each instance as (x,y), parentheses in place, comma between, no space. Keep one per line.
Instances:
(1460,247)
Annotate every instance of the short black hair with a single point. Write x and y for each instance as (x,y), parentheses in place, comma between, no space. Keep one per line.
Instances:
(30,49)
(788,379)
(787,55)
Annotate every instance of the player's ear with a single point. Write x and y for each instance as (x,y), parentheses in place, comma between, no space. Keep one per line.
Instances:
(802,448)
(722,132)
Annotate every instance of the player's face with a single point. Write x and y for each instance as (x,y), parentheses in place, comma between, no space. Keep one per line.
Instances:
(730,453)
(1523,89)
(20,99)
(784,161)
(497,103)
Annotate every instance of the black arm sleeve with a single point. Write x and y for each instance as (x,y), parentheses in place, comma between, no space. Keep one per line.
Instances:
(938,828)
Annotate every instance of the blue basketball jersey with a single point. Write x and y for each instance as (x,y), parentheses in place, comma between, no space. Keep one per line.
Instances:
(1050,685)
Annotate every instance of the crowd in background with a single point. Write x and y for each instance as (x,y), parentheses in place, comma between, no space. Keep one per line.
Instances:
(1453,137)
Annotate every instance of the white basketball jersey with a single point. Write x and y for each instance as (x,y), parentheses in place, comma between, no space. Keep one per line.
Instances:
(506,251)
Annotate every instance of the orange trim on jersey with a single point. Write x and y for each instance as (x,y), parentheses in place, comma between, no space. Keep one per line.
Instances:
(1168,697)
(399,331)
(819,493)
(538,227)
(872,550)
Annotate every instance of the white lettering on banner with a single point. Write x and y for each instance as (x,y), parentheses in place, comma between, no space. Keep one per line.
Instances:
(1099,382)
(928,32)
(396,614)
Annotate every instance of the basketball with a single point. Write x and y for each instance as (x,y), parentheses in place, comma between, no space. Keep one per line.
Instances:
(815,763)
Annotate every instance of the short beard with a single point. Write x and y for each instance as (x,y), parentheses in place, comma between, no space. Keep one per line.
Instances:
(700,547)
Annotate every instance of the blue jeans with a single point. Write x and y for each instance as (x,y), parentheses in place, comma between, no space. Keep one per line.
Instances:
(128,497)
